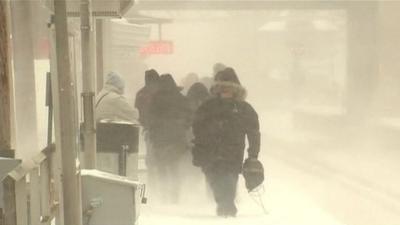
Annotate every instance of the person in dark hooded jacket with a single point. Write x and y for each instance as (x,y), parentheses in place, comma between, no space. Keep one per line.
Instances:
(220,127)
(197,94)
(143,100)
(169,123)
(144,96)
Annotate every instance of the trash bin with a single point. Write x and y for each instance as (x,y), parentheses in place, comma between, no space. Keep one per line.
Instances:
(117,148)
(110,199)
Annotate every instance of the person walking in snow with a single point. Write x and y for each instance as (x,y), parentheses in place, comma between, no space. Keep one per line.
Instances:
(169,123)
(220,127)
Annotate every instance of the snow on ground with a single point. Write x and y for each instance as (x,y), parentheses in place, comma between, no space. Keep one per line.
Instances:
(308,182)
(284,204)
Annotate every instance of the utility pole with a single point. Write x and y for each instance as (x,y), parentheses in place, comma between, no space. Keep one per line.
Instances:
(65,119)
(5,85)
(24,79)
(88,75)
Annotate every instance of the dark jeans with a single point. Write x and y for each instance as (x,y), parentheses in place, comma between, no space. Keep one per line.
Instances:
(223,184)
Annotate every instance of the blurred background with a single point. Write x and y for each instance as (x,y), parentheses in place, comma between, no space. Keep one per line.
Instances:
(323,76)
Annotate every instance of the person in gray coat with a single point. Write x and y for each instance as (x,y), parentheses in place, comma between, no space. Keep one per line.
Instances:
(111,109)
(111,105)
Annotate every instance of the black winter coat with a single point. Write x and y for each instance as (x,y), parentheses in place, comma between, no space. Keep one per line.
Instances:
(220,128)
(170,119)
(143,100)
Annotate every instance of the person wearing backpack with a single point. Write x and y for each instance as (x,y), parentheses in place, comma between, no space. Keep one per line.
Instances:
(220,127)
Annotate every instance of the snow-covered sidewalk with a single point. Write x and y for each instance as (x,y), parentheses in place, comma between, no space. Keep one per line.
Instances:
(285,204)
(310,180)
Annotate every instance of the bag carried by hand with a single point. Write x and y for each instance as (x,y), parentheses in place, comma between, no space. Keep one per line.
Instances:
(253,173)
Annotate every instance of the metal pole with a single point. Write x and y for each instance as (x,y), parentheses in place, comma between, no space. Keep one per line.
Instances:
(88,74)
(49,104)
(99,54)
(65,128)
(5,85)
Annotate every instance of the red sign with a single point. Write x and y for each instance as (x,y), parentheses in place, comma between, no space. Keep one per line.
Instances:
(158,48)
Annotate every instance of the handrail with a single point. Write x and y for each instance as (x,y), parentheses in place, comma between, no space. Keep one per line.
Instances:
(28,193)
(45,153)
(23,169)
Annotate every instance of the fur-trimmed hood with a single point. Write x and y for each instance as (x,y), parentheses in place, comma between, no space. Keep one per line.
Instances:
(239,92)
